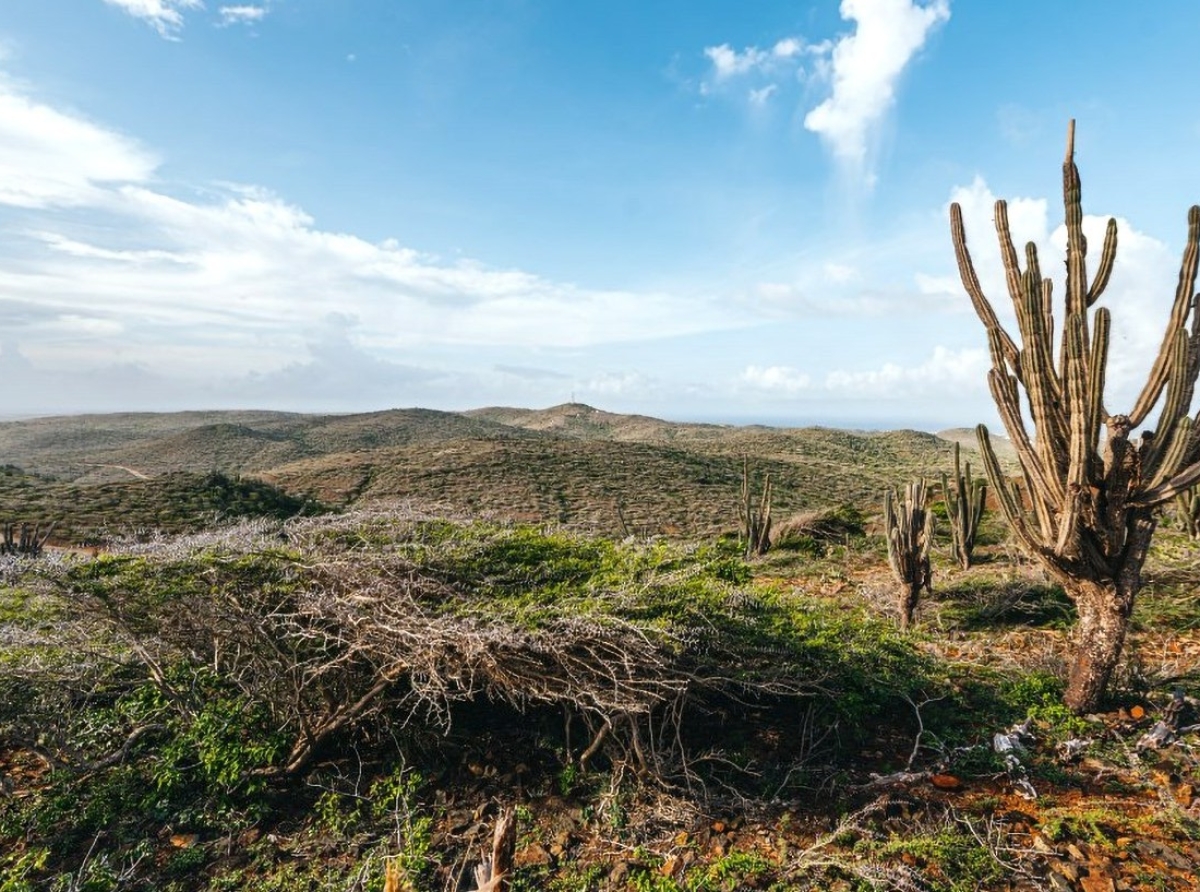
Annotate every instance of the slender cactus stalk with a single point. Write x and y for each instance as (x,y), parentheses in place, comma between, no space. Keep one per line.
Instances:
(1187,509)
(908,525)
(1092,508)
(27,540)
(756,519)
(964,508)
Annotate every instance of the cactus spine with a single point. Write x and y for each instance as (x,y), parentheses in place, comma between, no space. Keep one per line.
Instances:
(1093,510)
(908,525)
(756,519)
(964,508)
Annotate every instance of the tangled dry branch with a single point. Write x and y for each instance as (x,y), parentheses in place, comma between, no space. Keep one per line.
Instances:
(328,639)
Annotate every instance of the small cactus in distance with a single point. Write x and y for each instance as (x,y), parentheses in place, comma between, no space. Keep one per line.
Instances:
(756,520)
(908,526)
(25,540)
(964,508)
(1187,509)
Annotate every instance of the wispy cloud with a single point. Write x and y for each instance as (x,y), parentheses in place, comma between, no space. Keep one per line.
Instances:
(164,16)
(944,371)
(101,262)
(48,158)
(759,97)
(728,62)
(242,15)
(864,70)
(860,70)
(768,66)
(785,379)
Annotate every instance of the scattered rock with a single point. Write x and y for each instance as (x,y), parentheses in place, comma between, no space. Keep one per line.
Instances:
(946,782)
(1065,869)
(1069,749)
(533,855)
(1184,794)
(1164,853)
(1097,884)
(1039,843)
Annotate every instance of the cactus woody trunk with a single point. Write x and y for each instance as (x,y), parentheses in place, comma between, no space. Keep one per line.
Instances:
(908,524)
(1091,514)
(964,508)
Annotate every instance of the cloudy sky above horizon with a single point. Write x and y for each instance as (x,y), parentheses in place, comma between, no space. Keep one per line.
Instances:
(697,209)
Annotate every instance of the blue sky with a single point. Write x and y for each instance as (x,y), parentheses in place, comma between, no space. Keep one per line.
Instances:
(698,210)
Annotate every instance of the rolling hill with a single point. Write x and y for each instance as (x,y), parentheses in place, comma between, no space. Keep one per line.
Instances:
(570,464)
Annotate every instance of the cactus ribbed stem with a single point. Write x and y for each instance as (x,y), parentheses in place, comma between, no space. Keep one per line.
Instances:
(964,498)
(908,525)
(1091,510)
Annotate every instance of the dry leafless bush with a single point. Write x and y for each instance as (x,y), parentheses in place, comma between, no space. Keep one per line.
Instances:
(328,635)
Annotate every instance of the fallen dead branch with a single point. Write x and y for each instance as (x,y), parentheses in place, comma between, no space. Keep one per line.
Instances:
(326,639)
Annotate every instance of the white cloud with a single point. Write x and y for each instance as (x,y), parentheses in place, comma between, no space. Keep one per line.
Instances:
(837,290)
(164,16)
(113,266)
(788,48)
(945,371)
(610,384)
(927,284)
(51,158)
(839,273)
(245,14)
(728,62)
(762,70)
(776,378)
(865,68)
(760,97)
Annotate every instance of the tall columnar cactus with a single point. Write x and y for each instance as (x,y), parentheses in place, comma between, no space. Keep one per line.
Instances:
(756,519)
(964,508)
(1092,508)
(908,525)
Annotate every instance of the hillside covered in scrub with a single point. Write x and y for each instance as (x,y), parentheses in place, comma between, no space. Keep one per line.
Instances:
(571,464)
(348,690)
